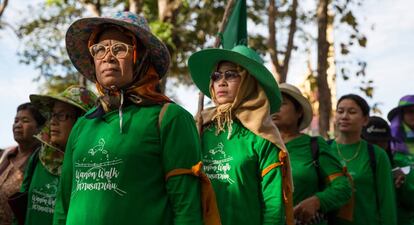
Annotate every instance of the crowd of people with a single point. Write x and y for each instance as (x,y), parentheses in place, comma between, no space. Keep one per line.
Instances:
(130,155)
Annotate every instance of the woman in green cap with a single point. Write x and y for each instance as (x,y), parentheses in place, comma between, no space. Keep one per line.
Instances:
(368,165)
(402,145)
(44,168)
(320,184)
(119,157)
(243,154)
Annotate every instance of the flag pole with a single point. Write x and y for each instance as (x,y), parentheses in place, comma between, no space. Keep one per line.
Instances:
(227,12)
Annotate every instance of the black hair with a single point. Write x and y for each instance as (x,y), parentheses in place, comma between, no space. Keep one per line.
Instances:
(363,105)
(297,105)
(40,120)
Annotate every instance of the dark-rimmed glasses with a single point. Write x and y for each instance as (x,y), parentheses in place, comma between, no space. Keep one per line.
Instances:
(118,50)
(229,75)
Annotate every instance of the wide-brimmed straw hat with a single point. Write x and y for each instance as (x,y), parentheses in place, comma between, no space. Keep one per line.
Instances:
(77,96)
(201,64)
(405,101)
(78,34)
(296,94)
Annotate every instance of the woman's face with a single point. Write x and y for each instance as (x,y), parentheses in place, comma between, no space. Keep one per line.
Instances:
(226,82)
(24,127)
(408,116)
(287,116)
(349,117)
(61,122)
(113,72)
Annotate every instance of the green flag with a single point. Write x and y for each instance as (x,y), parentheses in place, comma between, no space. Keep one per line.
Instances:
(235,32)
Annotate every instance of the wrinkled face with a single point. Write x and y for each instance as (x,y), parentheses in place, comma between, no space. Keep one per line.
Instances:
(349,117)
(112,71)
(24,127)
(226,82)
(61,122)
(287,116)
(408,116)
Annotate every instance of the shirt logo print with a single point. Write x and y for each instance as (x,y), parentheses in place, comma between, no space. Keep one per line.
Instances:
(217,164)
(43,198)
(98,171)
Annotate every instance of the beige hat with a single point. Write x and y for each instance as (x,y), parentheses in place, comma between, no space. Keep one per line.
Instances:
(295,93)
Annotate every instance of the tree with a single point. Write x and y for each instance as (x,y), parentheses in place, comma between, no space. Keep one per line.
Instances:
(185,27)
(188,26)
(281,66)
(324,93)
(342,11)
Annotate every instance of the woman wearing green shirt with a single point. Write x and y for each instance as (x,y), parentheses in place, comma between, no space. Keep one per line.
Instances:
(369,166)
(320,185)
(402,130)
(243,154)
(42,176)
(119,154)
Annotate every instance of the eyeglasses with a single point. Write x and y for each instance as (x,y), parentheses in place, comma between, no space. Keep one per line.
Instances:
(62,117)
(229,75)
(118,50)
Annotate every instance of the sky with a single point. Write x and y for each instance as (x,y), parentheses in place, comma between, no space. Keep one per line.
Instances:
(389,53)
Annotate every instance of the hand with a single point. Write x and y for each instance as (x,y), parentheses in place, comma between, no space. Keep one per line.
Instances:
(307,209)
(399,178)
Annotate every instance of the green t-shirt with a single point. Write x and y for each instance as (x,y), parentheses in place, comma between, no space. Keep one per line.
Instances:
(41,194)
(366,210)
(305,177)
(111,178)
(405,194)
(234,167)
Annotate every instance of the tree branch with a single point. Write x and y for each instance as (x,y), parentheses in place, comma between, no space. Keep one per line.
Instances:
(94,8)
(3,7)
(324,93)
(289,46)
(272,42)
(135,6)
(167,9)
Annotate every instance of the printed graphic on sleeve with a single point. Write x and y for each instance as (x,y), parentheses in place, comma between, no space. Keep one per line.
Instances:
(217,164)
(98,171)
(43,198)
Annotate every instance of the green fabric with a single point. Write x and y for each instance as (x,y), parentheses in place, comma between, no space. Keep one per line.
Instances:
(366,209)
(41,194)
(235,32)
(202,63)
(111,178)
(405,194)
(305,177)
(234,167)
